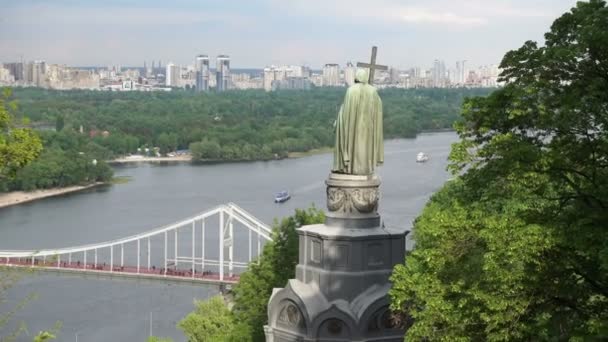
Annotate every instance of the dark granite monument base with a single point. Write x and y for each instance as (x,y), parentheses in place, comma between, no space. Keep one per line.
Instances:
(342,278)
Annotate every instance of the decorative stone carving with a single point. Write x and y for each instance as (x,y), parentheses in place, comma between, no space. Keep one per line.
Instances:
(384,319)
(351,194)
(361,200)
(365,200)
(290,315)
(336,199)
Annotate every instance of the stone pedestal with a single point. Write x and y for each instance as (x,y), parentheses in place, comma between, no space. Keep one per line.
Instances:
(341,285)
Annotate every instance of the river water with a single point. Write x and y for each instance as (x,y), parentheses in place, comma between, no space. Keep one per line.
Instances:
(98,309)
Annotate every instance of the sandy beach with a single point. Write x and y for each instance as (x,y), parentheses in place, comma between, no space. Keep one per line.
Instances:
(17,197)
(181,158)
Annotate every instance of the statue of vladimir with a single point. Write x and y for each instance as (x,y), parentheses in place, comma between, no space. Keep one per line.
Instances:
(359,139)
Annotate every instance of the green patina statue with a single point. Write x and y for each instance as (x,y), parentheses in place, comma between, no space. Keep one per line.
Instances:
(359,140)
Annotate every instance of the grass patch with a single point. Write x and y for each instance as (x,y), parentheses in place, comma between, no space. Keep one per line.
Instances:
(310,153)
(120,180)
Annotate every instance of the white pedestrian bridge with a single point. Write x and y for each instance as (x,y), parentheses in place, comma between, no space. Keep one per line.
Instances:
(197,249)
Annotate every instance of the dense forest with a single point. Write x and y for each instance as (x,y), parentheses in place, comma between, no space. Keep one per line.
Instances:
(67,158)
(234,125)
(516,247)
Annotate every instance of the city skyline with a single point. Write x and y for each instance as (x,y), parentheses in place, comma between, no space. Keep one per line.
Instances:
(269,32)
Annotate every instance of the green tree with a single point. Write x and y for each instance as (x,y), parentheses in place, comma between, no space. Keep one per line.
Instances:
(300,119)
(167,142)
(212,321)
(516,248)
(59,123)
(18,146)
(205,150)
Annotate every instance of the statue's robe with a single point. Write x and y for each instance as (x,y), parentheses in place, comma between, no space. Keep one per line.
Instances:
(359,140)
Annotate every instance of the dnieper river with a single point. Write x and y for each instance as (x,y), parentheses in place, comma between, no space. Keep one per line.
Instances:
(102,309)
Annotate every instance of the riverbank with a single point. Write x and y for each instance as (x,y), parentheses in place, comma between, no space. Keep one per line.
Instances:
(310,152)
(188,158)
(181,158)
(18,197)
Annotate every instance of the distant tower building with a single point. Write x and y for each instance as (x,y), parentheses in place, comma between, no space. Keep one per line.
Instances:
(145,73)
(331,75)
(269,77)
(461,73)
(17,70)
(394,75)
(274,74)
(202,72)
(222,75)
(438,74)
(349,74)
(173,75)
(305,72)
(38,71)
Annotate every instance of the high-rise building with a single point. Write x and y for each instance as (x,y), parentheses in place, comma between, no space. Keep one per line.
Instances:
(489,75)
(173,75)
(394,75)
(298,71)
(438,74)
(331,75)
(269,77)
(202,72)
(349,74)
(222,75)
(37,71)
(274,74)
(6,78)
(286,77)
(461,73)
(17,70)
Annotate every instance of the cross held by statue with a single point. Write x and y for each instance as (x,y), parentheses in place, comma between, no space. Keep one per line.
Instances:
(372,65)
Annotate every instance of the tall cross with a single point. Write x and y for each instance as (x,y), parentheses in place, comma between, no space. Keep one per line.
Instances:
(372,65)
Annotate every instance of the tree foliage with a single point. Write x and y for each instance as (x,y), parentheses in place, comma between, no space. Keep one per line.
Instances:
(516,248)
(18,146)
(68,158)
(158,339)
(245,125)
(272,269)
(212,321)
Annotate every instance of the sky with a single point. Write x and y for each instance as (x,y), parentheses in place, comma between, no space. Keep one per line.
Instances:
(257,33)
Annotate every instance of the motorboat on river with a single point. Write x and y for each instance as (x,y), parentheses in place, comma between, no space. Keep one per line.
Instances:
(421,157)
(281,197)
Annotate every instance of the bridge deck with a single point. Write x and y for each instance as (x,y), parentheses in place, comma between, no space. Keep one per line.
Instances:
(221,219)
(124,271)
